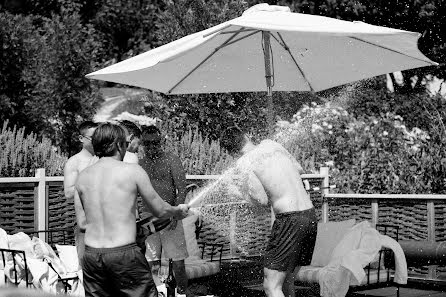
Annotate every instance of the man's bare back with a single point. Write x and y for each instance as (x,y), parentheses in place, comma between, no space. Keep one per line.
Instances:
(108,185)
(108,192)
(279,175)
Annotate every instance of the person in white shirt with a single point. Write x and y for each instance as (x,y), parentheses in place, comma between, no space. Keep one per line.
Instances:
(73,167)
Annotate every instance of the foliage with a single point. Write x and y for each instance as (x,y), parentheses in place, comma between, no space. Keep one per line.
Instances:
(367,155)
(22,154)
(126,28)
(43,86)
(17,55)
(421,109)
(199,154)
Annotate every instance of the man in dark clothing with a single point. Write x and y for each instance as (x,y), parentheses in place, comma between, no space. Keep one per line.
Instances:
(169,181)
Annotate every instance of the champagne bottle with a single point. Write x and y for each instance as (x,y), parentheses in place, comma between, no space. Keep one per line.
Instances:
(171,283)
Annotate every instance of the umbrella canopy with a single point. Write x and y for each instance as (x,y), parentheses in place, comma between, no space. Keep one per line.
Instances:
(269,47)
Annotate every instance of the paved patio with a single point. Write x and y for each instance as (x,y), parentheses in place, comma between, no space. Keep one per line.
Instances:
(383,292)
(404,292)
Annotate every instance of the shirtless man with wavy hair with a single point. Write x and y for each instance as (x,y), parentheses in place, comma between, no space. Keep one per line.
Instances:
(105,202)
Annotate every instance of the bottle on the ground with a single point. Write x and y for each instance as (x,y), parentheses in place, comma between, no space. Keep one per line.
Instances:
(171,283)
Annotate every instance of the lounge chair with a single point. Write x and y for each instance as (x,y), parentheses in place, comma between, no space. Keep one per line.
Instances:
(334,256)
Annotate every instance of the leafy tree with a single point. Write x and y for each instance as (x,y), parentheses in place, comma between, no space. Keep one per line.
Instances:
(43,75)
(125,28)
(62,88)
(20,43)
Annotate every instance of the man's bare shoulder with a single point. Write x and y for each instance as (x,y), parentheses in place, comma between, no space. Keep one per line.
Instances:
(129,169)
(72,162)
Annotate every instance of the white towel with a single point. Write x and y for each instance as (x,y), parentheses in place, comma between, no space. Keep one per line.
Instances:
(358,248)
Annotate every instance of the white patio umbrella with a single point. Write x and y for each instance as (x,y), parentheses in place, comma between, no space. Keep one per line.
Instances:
(291,51)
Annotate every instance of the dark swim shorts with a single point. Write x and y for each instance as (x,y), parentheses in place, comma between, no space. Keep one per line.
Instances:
(292,241)
(120,271)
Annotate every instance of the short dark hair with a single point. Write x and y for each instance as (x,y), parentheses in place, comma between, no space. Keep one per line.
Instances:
(150,130)
(233,139)
(106,138)
(84,126)
(131,127)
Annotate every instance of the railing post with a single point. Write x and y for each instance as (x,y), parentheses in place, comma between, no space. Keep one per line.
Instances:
(41,203)
(375,212)
(325,190)
(232,230)
(432,269)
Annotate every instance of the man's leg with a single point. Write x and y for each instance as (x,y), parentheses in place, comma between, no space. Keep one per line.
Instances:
(94,280)
(153,256)
(273,282)
(174,247)
(154,268)
(79,241)
(180,275)
(129,272)
(289,290)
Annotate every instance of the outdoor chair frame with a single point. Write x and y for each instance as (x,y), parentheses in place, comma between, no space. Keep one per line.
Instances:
(51,235)
(386,255)
(13,254)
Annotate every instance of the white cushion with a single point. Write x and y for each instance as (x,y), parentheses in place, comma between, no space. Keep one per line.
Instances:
(328,236)
(68,256)
(189,234)
(311,274)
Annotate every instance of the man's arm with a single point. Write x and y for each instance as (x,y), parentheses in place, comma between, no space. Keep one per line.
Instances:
(299,168)
(257,193)
(80,213)
(157,206)
(70,176)
(131,158)
(179,179)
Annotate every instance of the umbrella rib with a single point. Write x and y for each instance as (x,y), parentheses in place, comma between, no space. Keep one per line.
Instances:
(245,30)
(205,59)
(241,38)
(285,46)
(389,49)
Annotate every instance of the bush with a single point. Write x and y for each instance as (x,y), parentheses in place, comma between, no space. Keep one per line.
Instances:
(23,154)
(199,154)
(367,155)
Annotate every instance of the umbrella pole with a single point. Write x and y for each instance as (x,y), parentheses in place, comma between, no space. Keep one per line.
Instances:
(269,79)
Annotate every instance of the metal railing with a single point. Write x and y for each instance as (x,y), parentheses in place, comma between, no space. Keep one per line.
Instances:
(41,181)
